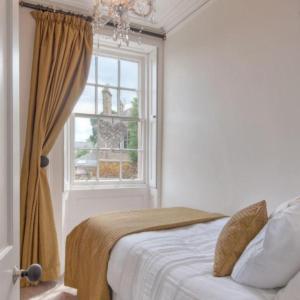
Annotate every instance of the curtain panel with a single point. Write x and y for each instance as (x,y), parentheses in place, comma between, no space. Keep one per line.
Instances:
(62,53)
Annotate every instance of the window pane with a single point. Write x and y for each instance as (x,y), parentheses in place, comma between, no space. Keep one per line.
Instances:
(111,133)
(108,71)
(130,165)
(92,73)
(86,103)
(85,132)
(85,164)
(130,138)
(109,164)
(133,135)
(107,101)
(108,138)
(129,104)
(129,74)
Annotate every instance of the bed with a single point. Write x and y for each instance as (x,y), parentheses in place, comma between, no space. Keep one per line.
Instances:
(174,264)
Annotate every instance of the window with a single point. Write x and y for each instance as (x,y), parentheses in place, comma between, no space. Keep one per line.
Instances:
(108,123)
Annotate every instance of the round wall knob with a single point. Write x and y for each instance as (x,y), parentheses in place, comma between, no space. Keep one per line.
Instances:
(44,161)
(33,273)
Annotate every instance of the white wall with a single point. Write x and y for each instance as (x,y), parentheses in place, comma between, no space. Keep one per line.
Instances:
(232,106)
(72,207)
(27,26)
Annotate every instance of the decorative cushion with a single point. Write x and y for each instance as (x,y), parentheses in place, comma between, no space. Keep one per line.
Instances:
(236,235)
(273,257)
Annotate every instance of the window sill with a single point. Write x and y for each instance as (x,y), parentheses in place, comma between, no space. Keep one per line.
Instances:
(107,187)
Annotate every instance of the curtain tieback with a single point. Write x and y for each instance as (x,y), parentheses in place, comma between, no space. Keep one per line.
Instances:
(44,161)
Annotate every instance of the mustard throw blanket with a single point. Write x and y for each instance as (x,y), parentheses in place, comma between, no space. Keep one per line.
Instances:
(89,244)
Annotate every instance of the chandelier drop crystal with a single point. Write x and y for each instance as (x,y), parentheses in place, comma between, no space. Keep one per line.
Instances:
(117,12)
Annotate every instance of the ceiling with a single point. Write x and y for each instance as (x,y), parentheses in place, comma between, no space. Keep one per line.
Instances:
(169,13)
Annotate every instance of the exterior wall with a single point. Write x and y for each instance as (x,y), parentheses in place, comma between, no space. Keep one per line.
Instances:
(231,106)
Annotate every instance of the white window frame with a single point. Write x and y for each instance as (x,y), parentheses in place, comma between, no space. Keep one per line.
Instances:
(143,94)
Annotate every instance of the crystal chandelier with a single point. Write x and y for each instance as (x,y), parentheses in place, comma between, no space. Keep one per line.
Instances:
(117,12)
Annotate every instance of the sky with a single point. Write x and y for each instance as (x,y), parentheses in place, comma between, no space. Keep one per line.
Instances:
(107,75)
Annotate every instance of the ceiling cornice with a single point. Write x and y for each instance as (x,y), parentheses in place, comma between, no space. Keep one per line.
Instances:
(177,12)
(180,12)
(71,5)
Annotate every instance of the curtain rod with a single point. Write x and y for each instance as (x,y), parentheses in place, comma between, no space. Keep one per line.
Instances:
(87,18)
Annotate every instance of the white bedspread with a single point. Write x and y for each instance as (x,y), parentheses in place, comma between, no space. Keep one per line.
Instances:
(174,265)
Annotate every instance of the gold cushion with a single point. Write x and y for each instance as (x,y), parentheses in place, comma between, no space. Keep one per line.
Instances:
(236,235)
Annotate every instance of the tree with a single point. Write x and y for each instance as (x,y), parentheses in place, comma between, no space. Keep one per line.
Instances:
(81,152)
(93,137)
(133,131)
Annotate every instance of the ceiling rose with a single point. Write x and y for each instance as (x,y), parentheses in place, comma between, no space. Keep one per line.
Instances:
(117,12)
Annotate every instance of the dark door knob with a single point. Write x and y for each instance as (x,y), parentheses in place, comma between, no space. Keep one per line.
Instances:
(33,273)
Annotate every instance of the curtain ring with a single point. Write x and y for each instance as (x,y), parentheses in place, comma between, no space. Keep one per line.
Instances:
(44,161)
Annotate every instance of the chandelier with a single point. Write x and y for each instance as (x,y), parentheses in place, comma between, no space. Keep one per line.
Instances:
(117,12)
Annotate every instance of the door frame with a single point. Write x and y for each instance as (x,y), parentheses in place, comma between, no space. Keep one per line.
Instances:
(14,158)
(10,254)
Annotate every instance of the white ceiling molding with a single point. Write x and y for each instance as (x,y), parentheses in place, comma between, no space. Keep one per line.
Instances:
(68,5)
(179,13)
(170,13)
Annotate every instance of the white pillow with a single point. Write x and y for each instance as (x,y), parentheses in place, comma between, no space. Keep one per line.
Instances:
(291,291)
(273,257)
(286,205)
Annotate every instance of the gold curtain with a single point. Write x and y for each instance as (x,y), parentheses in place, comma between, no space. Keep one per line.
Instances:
(61,60)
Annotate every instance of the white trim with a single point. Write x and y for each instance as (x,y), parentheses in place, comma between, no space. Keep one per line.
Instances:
(68,155)
(14,120)
(10,139)
(177,12)
(109,187)
(5,251)
(181,12)
(143,59)
(175,26)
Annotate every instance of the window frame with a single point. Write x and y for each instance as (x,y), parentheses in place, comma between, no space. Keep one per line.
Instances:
(141,59)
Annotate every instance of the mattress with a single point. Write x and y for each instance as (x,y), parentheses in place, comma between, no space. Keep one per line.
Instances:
(174,265)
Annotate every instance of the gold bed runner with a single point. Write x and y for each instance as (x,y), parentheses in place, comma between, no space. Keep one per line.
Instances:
(89,244)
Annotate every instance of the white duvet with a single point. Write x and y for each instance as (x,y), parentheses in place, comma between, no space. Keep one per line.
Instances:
(174,265)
